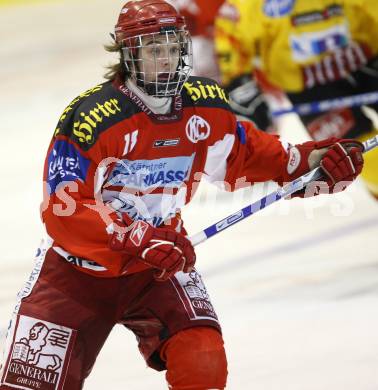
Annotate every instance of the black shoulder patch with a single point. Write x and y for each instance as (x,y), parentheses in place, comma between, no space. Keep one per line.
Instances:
(91,113)
(204,92)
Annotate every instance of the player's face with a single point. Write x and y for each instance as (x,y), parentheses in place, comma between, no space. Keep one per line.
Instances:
(160,57)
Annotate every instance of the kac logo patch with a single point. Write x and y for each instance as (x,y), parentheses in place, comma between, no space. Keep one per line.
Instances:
(40,353)
(197,129)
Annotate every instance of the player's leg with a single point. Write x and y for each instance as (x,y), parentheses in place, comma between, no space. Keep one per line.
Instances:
(195,359)
(58,327)
(178,330)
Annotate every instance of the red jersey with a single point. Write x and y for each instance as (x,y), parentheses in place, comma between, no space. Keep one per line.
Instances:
(111,155)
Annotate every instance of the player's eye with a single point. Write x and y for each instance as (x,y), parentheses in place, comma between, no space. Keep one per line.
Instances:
(156,51)
(174,51)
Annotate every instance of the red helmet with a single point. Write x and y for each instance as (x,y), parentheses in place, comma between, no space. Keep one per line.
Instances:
(139,17)
(148,23)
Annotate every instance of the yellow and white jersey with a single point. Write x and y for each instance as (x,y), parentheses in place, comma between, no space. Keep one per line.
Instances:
(290,37)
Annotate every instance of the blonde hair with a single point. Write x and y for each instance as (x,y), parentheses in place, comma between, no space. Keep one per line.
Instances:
(118,68)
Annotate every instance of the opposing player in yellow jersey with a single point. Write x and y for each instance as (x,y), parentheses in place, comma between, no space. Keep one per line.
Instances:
(311,50)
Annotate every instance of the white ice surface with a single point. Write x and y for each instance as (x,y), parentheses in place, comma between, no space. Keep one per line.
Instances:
(295,287)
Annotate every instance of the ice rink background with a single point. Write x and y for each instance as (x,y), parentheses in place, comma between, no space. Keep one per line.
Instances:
(296,287)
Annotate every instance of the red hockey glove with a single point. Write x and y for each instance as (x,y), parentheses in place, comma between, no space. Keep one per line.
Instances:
(160,248)
(340,159)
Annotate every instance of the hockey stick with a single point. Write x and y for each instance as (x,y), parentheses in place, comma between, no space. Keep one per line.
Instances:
(288,189)
(329,104)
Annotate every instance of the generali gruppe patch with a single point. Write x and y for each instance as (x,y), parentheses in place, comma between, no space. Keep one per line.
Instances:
(194,295)
(40,353)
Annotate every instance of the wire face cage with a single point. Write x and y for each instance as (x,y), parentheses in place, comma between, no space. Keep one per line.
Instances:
(160,63)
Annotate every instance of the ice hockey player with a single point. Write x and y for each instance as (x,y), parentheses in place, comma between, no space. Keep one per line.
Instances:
(125,157)
(311,50)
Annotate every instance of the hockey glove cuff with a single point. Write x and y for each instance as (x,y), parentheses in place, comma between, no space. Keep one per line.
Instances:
(341,161)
